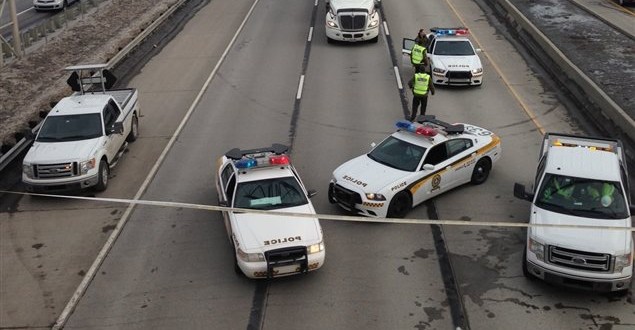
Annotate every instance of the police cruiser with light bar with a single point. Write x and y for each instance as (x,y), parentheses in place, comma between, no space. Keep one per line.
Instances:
(268,246)
(453,59)
(419,161)
(580,181)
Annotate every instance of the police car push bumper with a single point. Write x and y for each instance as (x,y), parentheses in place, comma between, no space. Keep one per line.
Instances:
(282,262)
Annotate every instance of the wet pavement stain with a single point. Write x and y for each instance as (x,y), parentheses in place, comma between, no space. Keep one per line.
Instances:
(37,246)
(402,269)
(108,228)
(114,212)
(434,313)
(81,273)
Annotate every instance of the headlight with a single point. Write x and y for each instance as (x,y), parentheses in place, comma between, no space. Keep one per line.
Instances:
(249,257)
(623,261)
(86,166)
(536,248)
(437,70)
(27,169)
(331,24)
(373,23)
(477,71)
(315,248)
(375,197)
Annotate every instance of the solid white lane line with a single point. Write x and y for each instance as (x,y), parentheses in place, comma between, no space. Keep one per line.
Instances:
(310,34)
(90,274)
(386,29)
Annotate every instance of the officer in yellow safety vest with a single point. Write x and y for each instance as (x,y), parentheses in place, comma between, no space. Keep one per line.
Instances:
(605,196)
(418,56)
(421,84)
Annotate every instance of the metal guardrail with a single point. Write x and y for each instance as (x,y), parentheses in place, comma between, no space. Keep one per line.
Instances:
(23,143)
(49,26)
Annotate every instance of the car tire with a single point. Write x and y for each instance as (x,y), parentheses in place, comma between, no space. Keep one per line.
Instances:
(374,40)
(134,129)
(329,40)
(65,4)
(102,176)
(525,269)
(481,171)
(237,269)
(399,205)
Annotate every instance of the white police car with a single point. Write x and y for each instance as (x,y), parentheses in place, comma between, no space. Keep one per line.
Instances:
(453,59)
(268,246)
(419,161)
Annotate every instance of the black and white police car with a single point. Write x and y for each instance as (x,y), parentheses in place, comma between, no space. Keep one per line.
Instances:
(419,161)
(453,59)
(265,245)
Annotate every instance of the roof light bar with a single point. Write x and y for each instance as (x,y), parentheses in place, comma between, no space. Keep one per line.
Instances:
(416,128)
(456,31)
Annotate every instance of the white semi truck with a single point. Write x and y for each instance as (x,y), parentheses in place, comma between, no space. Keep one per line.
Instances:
(84,135)
(352,20)
(580,181)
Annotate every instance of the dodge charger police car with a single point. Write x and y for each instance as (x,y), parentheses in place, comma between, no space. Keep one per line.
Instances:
(265,245)
(453,59)
(419,161)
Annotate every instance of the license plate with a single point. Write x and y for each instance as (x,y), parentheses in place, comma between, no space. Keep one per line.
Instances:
(287,269)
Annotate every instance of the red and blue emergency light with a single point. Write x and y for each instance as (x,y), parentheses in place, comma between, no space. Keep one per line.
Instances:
(416,128)
(279,160)
(459,31)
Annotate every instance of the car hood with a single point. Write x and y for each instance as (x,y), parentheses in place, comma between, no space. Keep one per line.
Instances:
(352,4)
(590,240)
(262,231)
(367,175)
(59,152)
(456,63)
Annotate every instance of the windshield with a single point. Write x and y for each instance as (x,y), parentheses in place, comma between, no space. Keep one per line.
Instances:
(70,128)
(398,154)
(453,48)
(582,197)
(269,194)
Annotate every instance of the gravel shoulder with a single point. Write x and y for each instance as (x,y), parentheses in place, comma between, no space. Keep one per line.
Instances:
(29,85)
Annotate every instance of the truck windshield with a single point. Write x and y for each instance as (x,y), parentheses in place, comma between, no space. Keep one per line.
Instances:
(582,197)
(398,154)
(453,48)
(70,128)
(269,194)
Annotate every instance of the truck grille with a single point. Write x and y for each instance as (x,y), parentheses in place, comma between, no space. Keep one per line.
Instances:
(597,262)
(459,74)
(345,196)
(49,171)
(352,21)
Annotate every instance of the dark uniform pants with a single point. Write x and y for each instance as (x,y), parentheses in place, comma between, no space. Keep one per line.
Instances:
(418,100)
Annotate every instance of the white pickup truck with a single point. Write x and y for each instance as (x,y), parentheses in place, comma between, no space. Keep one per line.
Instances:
(84,135)
(352,20)
(580,181)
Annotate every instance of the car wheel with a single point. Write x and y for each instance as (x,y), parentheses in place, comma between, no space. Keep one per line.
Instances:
(65,4)
(481,171)
(102,176)
(329,40)
(374,40)
(399,205)
(134,130)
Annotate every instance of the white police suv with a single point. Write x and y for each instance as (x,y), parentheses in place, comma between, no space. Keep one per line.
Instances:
(453,59)
(419,161)
(265,245)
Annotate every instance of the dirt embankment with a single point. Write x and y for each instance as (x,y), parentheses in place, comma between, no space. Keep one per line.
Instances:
(29,85)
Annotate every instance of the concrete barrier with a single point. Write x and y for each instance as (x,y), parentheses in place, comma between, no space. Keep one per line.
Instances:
(589,91)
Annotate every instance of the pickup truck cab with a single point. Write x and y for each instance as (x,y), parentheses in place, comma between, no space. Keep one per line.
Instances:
(83,136)
(580,181)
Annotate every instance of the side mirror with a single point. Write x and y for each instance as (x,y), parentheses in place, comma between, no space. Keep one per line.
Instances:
(377,2)
(116,128)
(478,50)
(632,207)
(311,193)
(521,193)
(428,167)
(373,145)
